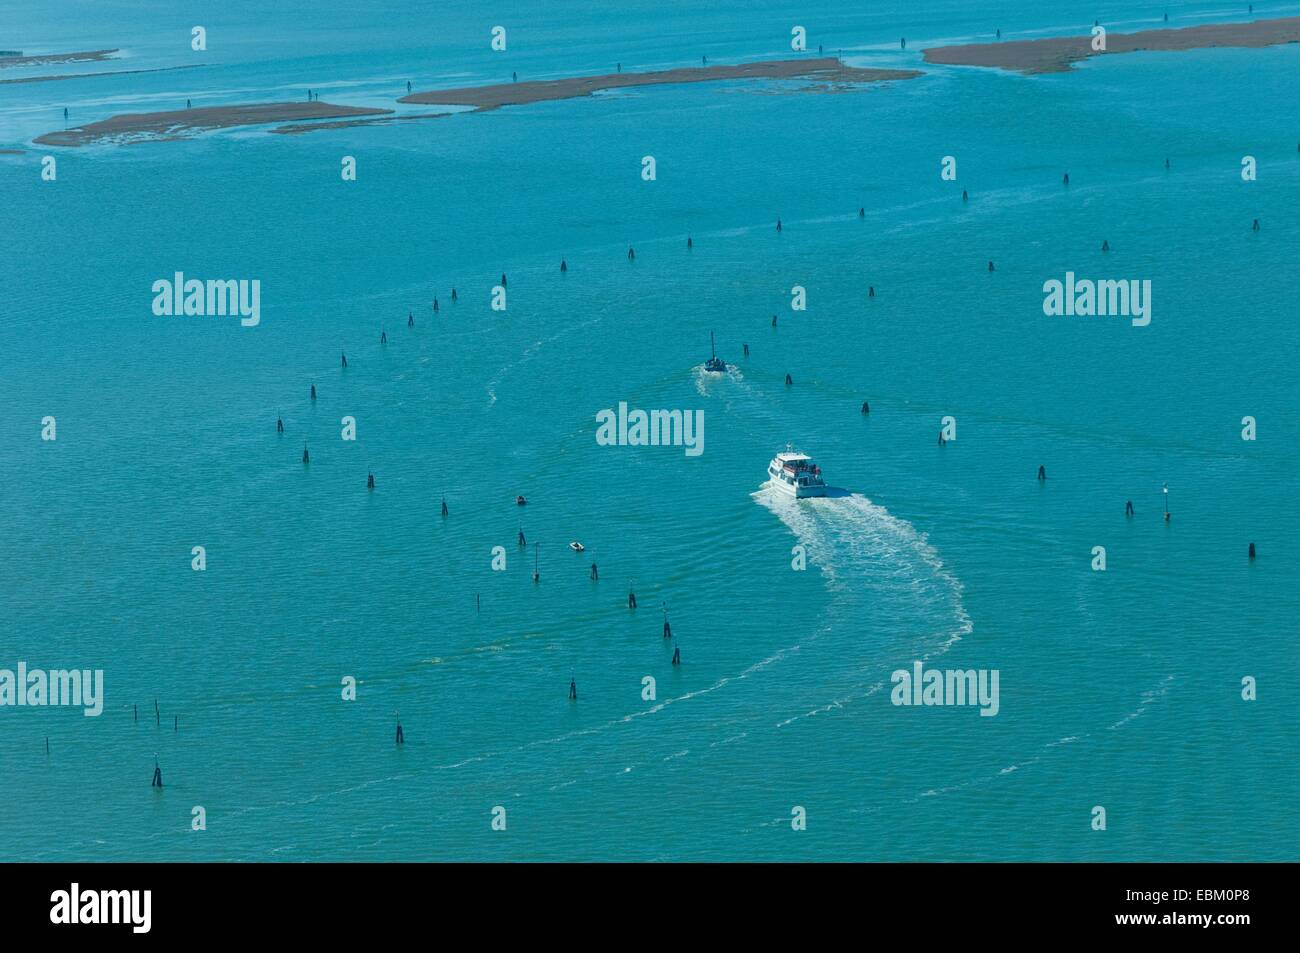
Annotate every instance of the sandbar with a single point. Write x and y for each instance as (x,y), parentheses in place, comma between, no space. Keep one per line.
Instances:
(827,70)
(183,123)
(51,59)
(111,72)
(1058,54)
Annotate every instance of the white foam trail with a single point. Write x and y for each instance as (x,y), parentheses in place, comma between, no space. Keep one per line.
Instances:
(831,706)
(531,351)
(850,539)
(1148,697)
(705,379)
(632,716)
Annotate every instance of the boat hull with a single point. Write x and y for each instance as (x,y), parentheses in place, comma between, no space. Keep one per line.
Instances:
(798,492)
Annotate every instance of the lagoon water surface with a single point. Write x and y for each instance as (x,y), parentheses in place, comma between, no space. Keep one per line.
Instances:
(1120,689)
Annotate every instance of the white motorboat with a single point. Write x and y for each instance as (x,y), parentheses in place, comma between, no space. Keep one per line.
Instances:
(796,474)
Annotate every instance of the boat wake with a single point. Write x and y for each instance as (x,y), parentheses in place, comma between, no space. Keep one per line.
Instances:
(871,560)
(706,380)
(531,351)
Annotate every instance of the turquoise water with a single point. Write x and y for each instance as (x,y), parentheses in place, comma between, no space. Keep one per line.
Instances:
(1120,689)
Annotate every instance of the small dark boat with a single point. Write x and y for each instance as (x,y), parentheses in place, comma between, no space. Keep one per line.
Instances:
(520,501)
(715,364)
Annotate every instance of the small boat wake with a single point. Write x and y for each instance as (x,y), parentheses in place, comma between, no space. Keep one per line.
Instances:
(706,380)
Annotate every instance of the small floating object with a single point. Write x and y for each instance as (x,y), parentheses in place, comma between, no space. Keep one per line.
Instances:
(520,501)
(577,547)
